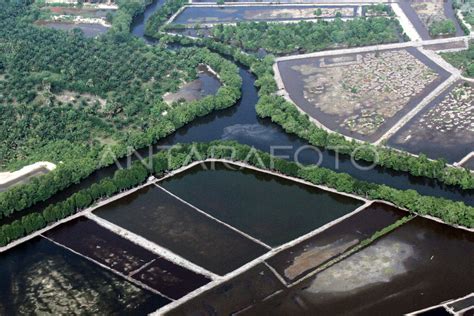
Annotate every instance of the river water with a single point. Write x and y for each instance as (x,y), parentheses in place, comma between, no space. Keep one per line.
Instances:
(242,124)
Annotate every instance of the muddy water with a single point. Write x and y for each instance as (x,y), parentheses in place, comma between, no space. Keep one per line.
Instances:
(160,218)
(206,84)
(452,145)
(170,279)
(297,261)
(39,277)
(86,237)
(193,15)
(269,208)
(421,264)
(89,29)
(234,295)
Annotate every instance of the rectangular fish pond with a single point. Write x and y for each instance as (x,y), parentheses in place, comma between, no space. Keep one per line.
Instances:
(209,15)
(269,208)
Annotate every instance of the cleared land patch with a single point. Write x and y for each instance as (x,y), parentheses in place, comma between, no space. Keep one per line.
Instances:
(444,129)
(206,84)
(361,95)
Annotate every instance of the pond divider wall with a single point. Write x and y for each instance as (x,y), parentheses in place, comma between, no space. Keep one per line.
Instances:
(153,247)
(257,261)
(215,219)
(126,277)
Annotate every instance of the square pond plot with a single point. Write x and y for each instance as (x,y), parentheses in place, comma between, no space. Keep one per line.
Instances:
(159,217)
(309,254)
(418,265)
(444,128)
(39,277)
(88,238)
(269,208)
(361,95)
(234,295)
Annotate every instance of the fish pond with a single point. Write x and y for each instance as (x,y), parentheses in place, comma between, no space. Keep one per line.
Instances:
(270,208)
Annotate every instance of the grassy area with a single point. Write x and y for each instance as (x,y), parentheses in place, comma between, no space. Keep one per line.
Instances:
(463,60)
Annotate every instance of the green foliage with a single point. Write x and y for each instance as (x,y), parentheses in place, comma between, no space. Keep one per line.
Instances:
(443,27)
(40,64)
(380,9)
(122,19)
(308,36)
(158,19)
(463,60)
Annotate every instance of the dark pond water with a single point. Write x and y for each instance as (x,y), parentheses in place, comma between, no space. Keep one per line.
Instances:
(89,29)
(161,218)
(304,257)
(86,237)
(469,163)
(414,137)
(462,304)
(420,264)
(231,14)
(437,311)
(269,208)
(39,277)
(234,295)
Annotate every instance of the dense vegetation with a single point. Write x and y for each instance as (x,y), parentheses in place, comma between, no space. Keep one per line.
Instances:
(463,60)
(307,36)
(159,18)
(182,155)
(123,18)
(118,87)
(466,8)
(286,38)
(443,27)
(379,9)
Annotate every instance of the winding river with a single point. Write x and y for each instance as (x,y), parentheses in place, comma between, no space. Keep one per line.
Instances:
(242,124)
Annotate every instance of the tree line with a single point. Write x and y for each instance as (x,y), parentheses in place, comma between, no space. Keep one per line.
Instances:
(307,36)
(181,155)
